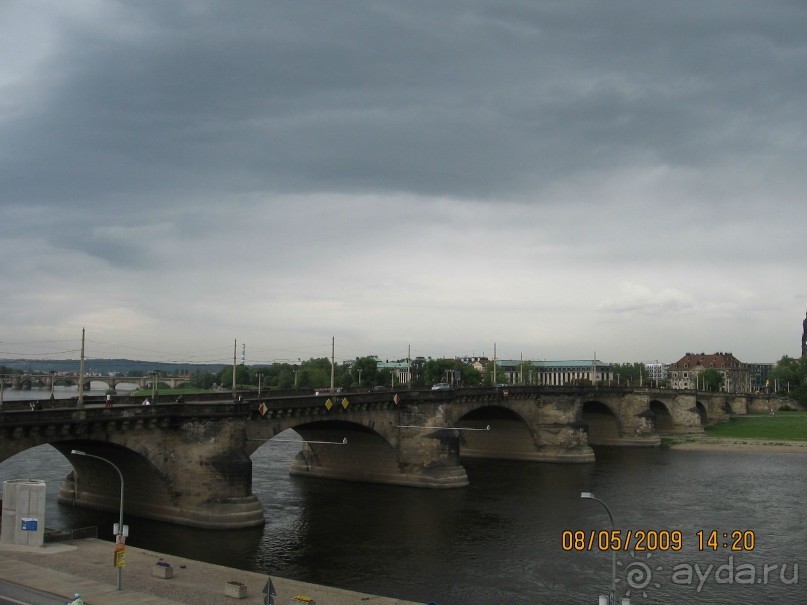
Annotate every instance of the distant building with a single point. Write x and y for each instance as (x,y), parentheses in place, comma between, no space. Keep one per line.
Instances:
(400,370)
(656,371)
(758,375)
(554,373)
(685,373)
(479,364)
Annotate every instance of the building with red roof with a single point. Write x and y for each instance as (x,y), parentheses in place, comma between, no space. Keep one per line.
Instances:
(685,373)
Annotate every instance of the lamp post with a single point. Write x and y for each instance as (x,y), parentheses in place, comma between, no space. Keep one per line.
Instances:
(120,519)
(154,387)
(590,496)
(260,375)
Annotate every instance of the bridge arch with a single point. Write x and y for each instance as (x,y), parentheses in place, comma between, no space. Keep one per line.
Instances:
(604,426)
(522,427)
(510,439)
(368,456)
(95,484)
(107,384)
(385,452)
(662,418)
(702,412)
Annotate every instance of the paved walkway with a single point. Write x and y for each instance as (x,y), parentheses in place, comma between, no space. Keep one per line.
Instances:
(86,567)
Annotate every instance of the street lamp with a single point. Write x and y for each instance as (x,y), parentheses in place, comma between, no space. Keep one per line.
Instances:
(154,386)
(590,496)
(120,520)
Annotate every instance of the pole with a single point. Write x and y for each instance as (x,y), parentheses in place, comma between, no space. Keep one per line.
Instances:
(494,363)
(590,496)
(120,518)
(235,348)
(409,365)
(80,402)
(332,362)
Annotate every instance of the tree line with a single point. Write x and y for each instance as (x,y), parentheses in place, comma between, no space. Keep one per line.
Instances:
(363,372)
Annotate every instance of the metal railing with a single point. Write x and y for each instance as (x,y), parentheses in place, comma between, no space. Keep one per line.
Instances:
(81,533)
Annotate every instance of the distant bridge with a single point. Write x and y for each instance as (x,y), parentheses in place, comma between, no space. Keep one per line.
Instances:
(26,381)
(189,463)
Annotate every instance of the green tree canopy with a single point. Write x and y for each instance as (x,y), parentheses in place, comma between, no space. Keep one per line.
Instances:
(790,376)
(712,380)
(365,371)
(630,373)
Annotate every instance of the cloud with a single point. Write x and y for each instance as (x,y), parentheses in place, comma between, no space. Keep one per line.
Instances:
(548,176)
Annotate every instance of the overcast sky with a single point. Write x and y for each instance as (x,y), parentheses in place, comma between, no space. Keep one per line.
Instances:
(561,178)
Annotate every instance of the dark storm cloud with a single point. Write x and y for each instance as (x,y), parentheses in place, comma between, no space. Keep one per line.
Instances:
(450,98)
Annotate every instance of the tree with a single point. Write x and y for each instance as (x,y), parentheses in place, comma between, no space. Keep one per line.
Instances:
(630,374)
(201,379)
(452,371)
(418,369)
(789,373)
(712,380)
(225,376)
(314,373)
(365,371)
(789,376)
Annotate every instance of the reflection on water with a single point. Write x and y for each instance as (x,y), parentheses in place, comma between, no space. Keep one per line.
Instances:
(499,540)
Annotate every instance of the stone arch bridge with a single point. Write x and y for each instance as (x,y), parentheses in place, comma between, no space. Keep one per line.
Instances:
(189,463)
(26,381)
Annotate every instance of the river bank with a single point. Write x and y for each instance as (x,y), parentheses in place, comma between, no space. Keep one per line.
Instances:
(705,443)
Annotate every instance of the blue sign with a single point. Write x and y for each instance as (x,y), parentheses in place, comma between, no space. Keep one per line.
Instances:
(28,524)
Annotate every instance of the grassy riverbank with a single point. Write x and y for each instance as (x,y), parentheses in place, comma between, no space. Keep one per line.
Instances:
(785,426)
(786,432)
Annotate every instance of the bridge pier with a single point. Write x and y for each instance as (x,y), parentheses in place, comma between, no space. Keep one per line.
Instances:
(198,474)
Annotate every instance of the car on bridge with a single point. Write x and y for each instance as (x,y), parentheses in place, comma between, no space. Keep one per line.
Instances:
(441,386)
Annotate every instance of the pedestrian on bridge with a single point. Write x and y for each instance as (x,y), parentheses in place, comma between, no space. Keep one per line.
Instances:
(108,403)
(146,401)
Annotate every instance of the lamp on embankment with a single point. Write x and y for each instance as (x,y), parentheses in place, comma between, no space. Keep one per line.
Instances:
(120,530)
(590,496)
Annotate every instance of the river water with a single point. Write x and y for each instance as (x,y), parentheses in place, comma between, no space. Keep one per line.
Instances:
(500,540)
